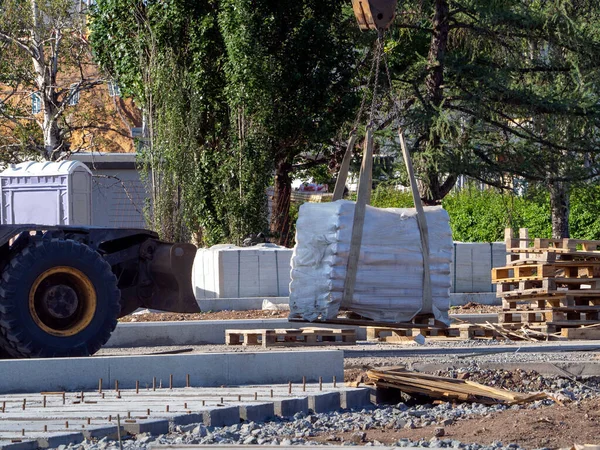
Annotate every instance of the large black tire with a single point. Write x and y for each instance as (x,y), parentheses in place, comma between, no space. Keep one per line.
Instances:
(57,298)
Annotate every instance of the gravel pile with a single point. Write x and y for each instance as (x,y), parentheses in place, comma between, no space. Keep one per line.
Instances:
(303,428)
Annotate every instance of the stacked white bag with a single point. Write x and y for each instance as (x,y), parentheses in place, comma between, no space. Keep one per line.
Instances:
(389,281)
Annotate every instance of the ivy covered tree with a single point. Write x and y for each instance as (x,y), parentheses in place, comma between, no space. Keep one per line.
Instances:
(44,68)
(169,56)
(497,90)
(289,69)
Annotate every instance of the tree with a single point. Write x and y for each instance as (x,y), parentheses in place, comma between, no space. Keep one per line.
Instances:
(169,56)
(45,66)
(497,90)
(289,70)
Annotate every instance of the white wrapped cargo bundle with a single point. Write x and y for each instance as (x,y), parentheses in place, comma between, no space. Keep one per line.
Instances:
(389,281)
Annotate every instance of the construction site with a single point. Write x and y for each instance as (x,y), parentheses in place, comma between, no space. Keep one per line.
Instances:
(519,372)
(378,328)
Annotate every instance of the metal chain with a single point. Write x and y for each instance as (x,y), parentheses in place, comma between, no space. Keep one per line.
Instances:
(389,79)
(366,90)
(378,54)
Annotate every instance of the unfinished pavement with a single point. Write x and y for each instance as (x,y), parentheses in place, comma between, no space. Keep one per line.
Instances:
(72,399)
(52,419)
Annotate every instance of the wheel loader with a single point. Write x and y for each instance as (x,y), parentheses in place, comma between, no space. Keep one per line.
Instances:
(64,287)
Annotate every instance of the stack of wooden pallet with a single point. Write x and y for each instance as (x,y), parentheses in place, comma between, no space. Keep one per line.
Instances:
(552,285)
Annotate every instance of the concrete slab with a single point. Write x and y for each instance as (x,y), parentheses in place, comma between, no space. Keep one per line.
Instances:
(187,419)
(484,298)
(18,445)
(238,304)
(151,426)
(327,401)
(100,431)
(56,439)
(140,410)
(356,398)
(474,318)
(290,406)
(207,369)
(258,412)
(222,416)
(197,332)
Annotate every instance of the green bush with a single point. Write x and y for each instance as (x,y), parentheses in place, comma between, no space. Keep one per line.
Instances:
(482,216)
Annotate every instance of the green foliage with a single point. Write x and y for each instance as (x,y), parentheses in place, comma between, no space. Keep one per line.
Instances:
(507,87)
(170,58)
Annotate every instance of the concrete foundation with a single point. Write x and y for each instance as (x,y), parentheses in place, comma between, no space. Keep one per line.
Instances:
(483,298)
(50,419)
(200,332)
(238,304)
(206,369)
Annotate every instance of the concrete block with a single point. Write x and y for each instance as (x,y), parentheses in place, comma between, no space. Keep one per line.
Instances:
(257,412)
(100,431)
(221,416)
(198,332)
(186,419)
(290,406)
(18,445)
(205,369)
(484,298)
(151,426)
(355,398)
(56,439)
(325,402)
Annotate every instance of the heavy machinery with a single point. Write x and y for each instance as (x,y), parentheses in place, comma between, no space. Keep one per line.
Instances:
(64,287)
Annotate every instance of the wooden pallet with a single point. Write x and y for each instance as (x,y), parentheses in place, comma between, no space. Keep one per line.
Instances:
(566,271)
(291,337)
(576,315)
(546,301)
(578,286)
(454,332)
(583,333)
(523,249)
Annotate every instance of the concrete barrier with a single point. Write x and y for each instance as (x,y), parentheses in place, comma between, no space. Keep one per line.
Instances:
(198,332)
(207,369)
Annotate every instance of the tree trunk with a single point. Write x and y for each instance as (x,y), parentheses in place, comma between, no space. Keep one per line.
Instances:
(431,189)
(280,216)
(559,207)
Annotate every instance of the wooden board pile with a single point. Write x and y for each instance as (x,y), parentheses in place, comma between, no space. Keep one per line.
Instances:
(550,285)
(446,388)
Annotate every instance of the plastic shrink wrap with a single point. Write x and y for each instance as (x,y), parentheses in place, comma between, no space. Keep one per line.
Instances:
(389,281)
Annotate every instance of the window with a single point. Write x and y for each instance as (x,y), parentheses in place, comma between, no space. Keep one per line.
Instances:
(36,103)
(73,95)
(113,89)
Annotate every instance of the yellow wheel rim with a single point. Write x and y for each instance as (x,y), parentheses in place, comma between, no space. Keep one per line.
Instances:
(62,301)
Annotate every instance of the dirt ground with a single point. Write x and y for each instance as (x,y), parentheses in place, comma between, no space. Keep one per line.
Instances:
(549,426)
(470,308)
(209,315)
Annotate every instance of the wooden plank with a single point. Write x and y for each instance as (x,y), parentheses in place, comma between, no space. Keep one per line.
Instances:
(363,197)
(581,333)
(421,222)
(340,184)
